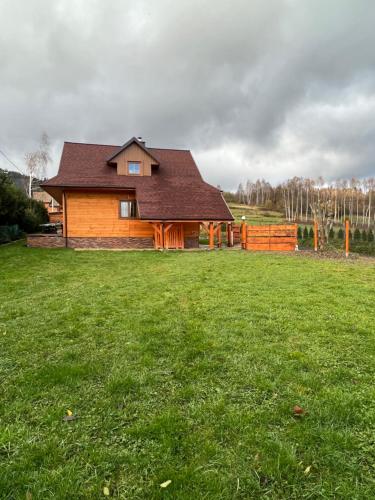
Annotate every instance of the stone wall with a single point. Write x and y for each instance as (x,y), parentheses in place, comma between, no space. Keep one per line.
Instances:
(57,241)
(110,243)
(45,241)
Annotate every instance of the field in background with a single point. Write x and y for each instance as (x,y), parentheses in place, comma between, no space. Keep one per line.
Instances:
(185,367)
(255,215)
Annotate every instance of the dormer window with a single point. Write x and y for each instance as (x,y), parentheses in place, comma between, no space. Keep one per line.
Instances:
(134,168)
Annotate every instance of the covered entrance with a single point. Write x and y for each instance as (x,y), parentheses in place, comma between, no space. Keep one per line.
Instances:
(178,235)
(169,235)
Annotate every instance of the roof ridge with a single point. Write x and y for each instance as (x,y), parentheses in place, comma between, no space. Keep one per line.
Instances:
(171,149)
(119,146)
(93,144)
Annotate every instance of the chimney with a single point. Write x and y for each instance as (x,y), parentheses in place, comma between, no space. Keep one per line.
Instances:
(142,141)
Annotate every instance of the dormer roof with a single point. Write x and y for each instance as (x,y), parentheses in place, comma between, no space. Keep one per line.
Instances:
(131,141)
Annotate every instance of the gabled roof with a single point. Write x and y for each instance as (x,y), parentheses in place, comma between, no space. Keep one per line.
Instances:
(174,191)
(131,141)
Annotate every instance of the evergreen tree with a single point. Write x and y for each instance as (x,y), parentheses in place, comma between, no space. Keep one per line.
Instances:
(331,234)
(364,235)
(370,236)
(357,234)
(340,234)
(311,232)
(17,209)
(299,233)
(305,233)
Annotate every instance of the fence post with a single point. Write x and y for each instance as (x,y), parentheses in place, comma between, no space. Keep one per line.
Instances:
(315,236)
(347,238)
(243,234)
(296,236)
(229,234)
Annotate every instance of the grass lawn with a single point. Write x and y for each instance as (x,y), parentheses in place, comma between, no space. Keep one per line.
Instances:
(185,367)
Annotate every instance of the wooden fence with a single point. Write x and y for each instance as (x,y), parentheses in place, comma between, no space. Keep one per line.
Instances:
(272,237)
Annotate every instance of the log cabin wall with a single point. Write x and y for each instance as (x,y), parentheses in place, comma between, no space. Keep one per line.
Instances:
(96,215)
(136,154)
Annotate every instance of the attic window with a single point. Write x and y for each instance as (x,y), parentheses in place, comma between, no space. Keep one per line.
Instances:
(134,168)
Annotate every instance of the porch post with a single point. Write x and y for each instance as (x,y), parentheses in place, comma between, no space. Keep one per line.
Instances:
(212,237)
(219,235)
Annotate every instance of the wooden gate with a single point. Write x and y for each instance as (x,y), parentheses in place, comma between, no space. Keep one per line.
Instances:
(277,237)
(174,235)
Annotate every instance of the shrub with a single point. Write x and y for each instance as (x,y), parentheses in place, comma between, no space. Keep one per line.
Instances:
(17,209)
(9,233)
(311,232)
(299,233)
(364,235)
(370,236)
(331,233)
(357,234)
(340,233)
(305,233)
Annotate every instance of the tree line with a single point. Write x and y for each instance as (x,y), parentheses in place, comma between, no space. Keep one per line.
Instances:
(298,198)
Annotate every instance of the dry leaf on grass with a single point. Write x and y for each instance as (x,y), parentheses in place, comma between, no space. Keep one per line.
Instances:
(298,411)
(307,470)
(106,491)
(165,484)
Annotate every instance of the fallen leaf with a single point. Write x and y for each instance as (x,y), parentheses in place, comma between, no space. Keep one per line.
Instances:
(165,484)
(307,470)
(69,413)
(106,491)
(298,411)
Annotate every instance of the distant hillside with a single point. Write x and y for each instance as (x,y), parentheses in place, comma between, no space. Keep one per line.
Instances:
(22,181)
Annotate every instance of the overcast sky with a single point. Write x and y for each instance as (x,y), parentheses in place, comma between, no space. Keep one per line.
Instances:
(255,88)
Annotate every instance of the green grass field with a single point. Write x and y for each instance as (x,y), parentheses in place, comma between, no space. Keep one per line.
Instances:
(255,215)
(185,367)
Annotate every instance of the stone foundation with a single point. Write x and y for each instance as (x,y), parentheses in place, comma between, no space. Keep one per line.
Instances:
(110,243)
(45,241)
(57,241)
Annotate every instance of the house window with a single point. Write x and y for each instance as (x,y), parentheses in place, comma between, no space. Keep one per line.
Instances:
(134,168)
(128,209)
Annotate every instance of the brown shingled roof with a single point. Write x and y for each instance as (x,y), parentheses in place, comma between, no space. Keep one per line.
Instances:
(174,191)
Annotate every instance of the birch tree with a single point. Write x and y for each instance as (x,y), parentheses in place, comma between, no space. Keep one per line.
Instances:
(37,161)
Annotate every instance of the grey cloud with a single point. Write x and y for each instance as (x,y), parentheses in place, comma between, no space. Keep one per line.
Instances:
(272,88)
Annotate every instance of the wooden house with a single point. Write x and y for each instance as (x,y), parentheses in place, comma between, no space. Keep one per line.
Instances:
(133,196)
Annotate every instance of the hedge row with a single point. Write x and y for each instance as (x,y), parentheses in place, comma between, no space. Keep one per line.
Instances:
(358,235)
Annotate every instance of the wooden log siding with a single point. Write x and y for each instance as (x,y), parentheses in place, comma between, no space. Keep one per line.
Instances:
(136,154)
(274,237)
(97,215)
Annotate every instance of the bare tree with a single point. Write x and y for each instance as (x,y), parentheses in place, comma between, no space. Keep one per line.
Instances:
(37,161)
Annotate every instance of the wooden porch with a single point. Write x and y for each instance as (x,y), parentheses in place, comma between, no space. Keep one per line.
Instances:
(170,234)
